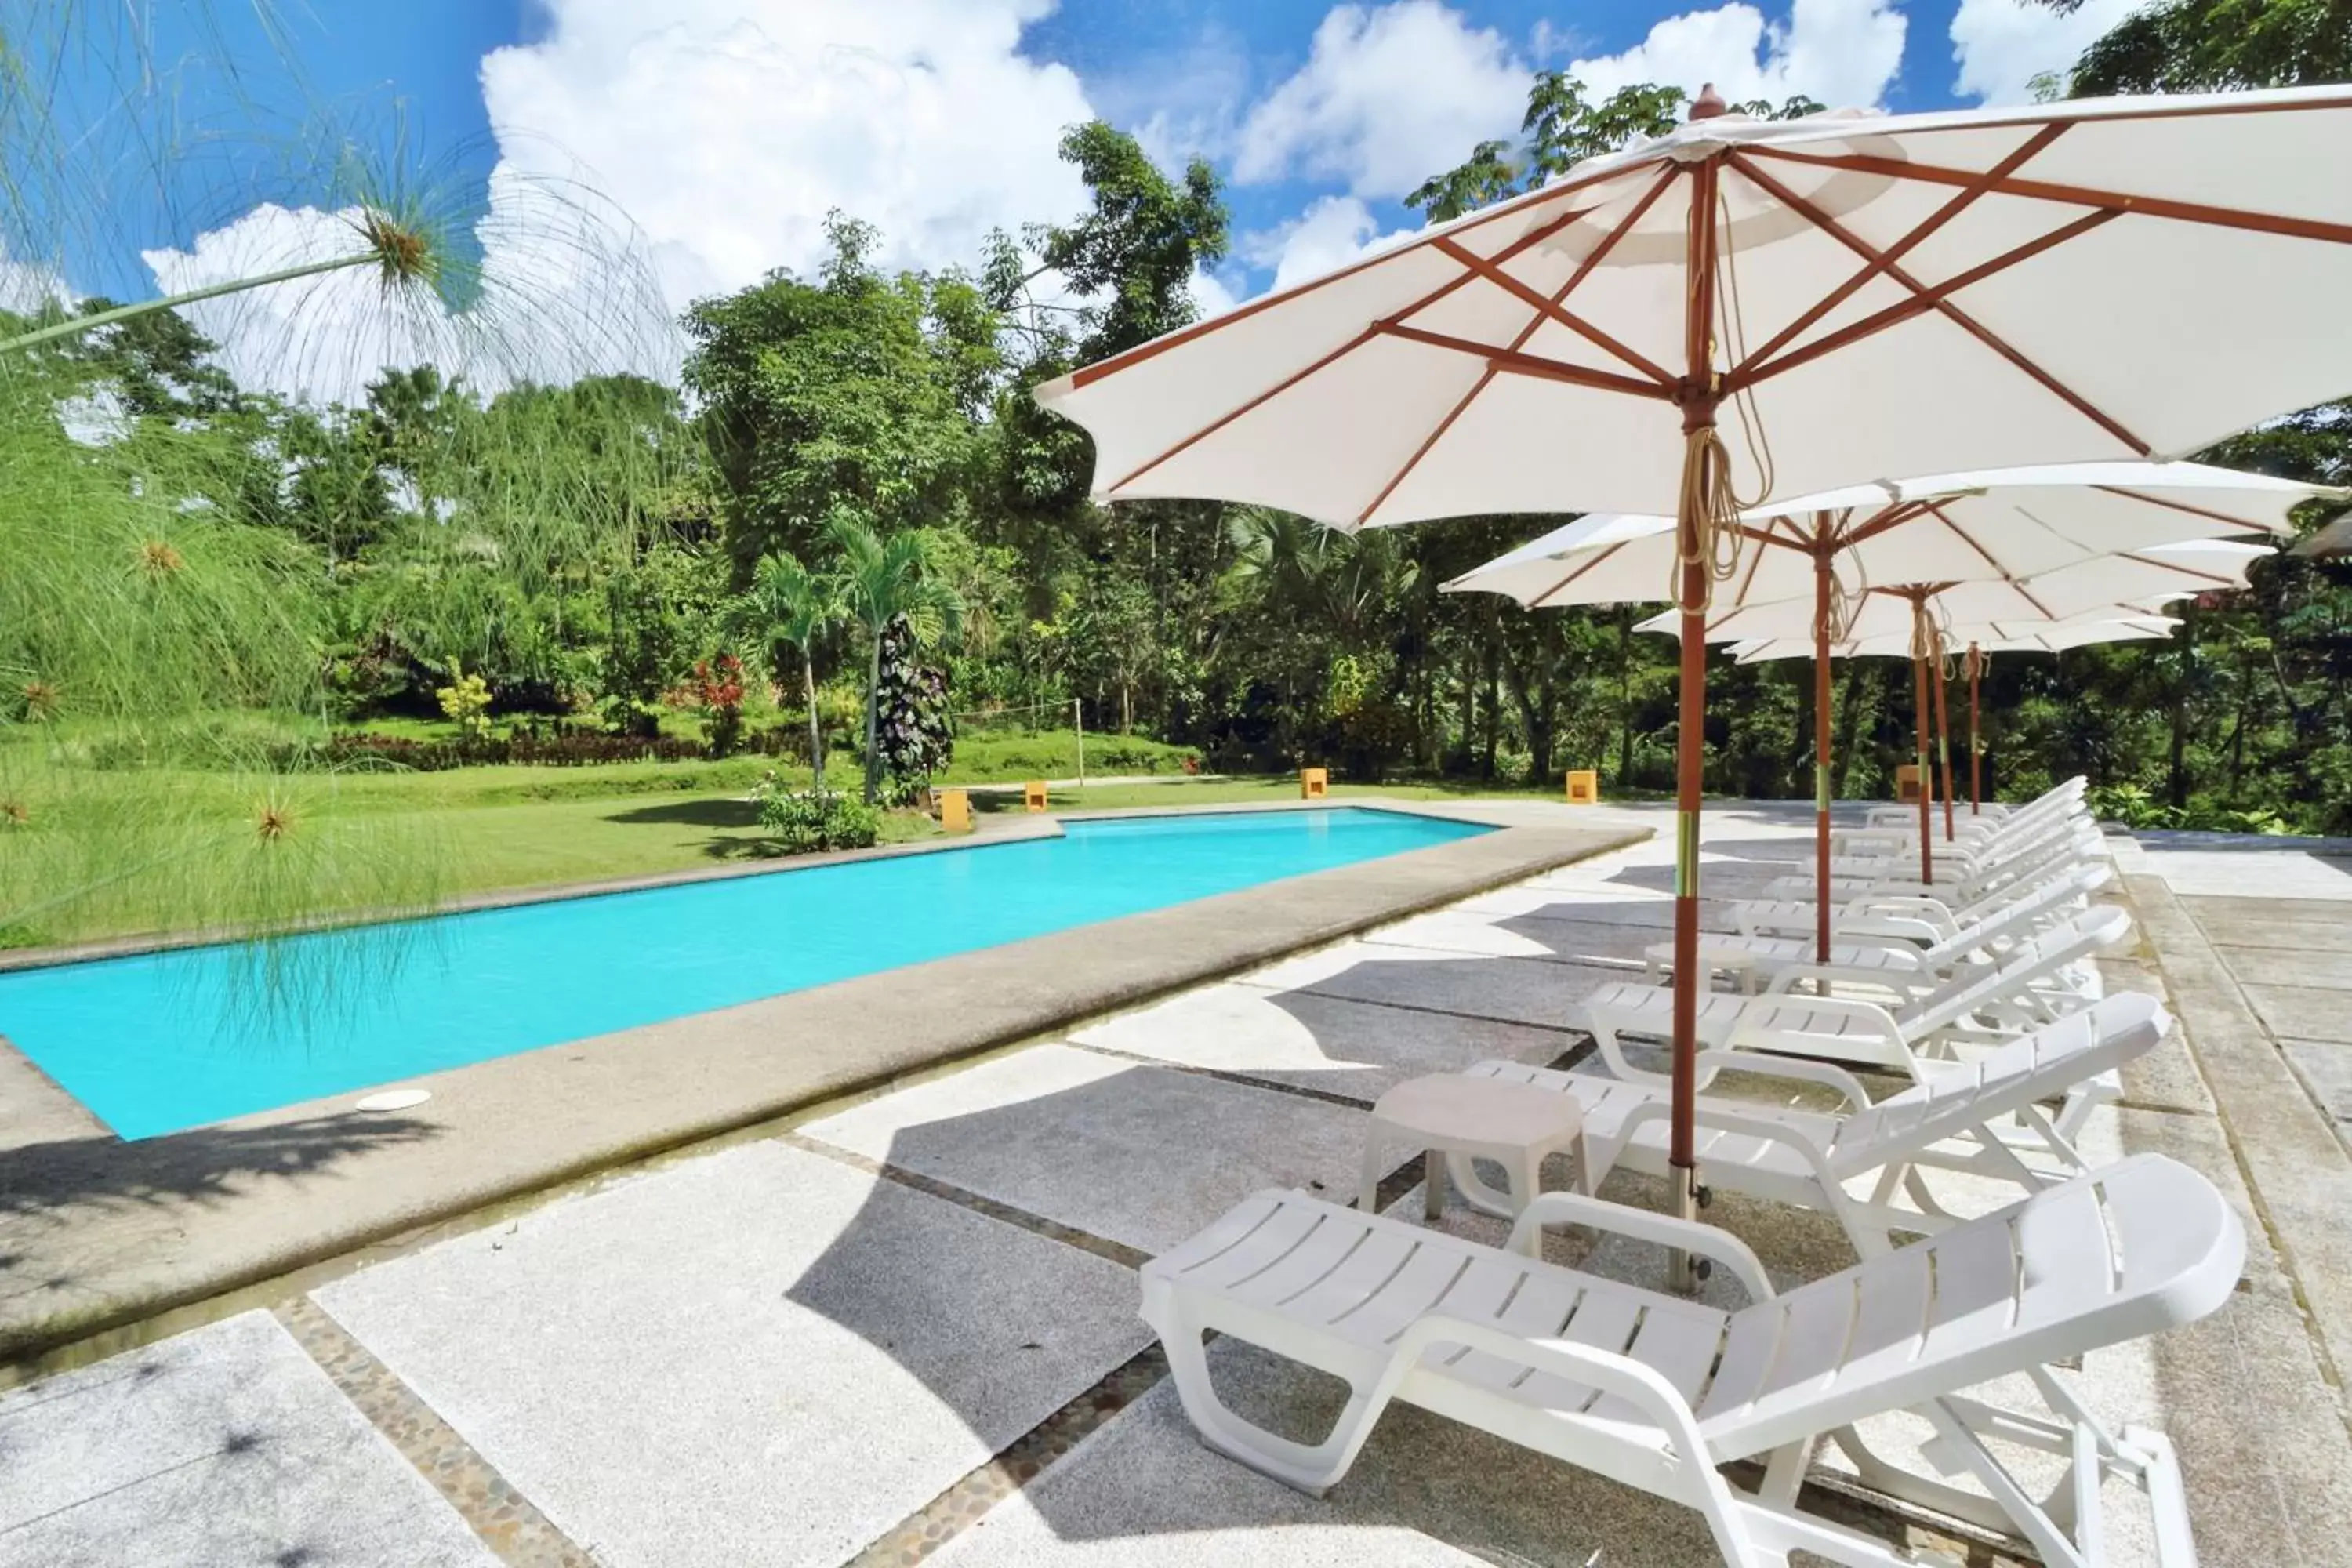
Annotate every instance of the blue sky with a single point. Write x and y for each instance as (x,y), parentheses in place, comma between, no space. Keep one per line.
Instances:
(725,129)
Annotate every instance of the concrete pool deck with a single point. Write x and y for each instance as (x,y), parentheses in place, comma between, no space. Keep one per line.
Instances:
(904,1327)
(97,1234)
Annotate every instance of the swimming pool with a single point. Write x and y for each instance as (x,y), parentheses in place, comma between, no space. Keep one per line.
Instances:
(165,1041)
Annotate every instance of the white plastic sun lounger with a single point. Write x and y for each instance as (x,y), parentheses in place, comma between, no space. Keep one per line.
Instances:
(2044,858)
(1888,961)
(1904,827)
(1922,922)
(1963,862)
(2029,987)
(1991,810)
(1656,1391)
(1806,1158)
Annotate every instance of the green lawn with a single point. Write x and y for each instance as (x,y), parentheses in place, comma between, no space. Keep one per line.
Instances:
(482,830)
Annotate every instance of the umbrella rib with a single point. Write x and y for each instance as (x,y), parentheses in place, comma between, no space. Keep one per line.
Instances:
(2117,202)
(1527,364)
(1540,600)
(2248,526)
(1559,313)
(1583,270)
(2175,566)
(2011,578)
(1923,300)
(1943,306)
(1901,247)
(1884,520)
(1359,340)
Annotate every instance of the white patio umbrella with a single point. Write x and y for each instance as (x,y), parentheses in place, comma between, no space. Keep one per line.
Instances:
(1870,294)
(1907,615)
(1979,642)
(2071,524)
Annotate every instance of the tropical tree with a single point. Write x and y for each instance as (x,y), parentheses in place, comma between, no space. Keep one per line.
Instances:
(788,604)
(2215,45)
(886,579)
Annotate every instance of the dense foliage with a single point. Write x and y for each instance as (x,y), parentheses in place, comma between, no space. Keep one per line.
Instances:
(853,508)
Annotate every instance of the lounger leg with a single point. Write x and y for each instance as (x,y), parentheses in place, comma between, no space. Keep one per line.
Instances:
(1368,1200)
(1432,1183)
(1311,1469)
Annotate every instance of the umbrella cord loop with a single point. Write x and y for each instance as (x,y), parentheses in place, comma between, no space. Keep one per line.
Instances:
(1715,541)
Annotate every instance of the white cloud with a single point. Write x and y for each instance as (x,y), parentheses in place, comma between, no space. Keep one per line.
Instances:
(1387,97)
(97,417)
(2003,45)
(1841,52)
(26,286)
(1331,232)
(1210,295)
(727,129)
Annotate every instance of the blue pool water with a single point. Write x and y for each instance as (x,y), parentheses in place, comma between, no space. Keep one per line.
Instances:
(171,1040)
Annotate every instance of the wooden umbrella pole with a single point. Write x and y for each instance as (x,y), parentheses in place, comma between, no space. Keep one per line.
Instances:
(1822,587)
(1919,723)
(1976,736)
(1698,397)
(1944,746)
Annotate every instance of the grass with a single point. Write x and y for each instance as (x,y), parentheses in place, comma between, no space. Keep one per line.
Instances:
(496,828)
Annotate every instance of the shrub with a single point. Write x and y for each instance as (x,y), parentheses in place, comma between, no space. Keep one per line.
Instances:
(718,694)
(467,701)
(809,820)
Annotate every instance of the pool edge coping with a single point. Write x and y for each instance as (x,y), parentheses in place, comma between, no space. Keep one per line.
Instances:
(32,1344)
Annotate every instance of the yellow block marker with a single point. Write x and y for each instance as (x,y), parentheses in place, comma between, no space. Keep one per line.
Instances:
(1314,783)
(1583,786)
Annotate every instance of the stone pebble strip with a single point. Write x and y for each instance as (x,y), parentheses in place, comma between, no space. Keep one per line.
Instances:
(507,1521)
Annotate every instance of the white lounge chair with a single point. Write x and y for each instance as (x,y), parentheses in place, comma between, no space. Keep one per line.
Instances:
(1885,960)
(1656,1391)
(2045,857)
(1968,829)
(2030,986)
(2071,790)
(1916,919)
(1806,1158)
(1961,861)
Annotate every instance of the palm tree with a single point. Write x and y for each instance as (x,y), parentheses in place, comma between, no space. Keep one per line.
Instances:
(881,581)
(787,603)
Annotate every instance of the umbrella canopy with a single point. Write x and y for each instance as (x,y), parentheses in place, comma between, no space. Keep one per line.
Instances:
(2103,588)
(1869,294)
(2056,637)
(2014,525)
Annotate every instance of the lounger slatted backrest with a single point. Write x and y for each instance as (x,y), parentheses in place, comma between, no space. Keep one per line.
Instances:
(2005,917)
(2043,1065)
(2093,931)
(2142,1246)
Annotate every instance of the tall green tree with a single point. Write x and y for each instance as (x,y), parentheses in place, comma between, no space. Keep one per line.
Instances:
(788,605)
(887,579)
(2215,45)
(857,389)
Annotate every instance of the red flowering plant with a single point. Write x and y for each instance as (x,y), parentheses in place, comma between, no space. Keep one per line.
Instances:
(719,693)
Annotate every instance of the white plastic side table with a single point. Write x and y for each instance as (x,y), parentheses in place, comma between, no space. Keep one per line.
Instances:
(1463,1119)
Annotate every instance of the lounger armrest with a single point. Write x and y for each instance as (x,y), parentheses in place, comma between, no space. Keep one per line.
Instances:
(1639,1386)
(1888,928)
(1797,1069)
(1787,975)
(1878,1016)
(1642,1224)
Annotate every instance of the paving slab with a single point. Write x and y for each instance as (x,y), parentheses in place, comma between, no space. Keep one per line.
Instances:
(2291,874)
(1541,993)
(226,1445)
(2166,1078)
(2290,1151)
(1140,1155)
(762,1355)
(2303,1012)
(2266,923)
(2289,965)
(1425,1493)
(2327,1070)
(1327,1044)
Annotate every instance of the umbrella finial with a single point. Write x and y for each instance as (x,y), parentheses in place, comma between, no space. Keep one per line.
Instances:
(1708,103)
